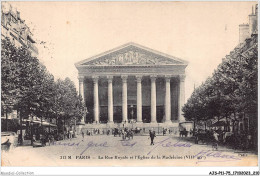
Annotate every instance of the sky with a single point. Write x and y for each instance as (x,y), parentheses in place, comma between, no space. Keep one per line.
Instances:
(201,33)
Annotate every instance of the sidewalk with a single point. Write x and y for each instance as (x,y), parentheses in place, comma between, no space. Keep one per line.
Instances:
(221,146)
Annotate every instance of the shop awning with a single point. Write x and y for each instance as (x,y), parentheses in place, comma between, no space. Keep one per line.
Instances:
(38,121)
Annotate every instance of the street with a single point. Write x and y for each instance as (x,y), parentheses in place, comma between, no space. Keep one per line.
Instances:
(104,150)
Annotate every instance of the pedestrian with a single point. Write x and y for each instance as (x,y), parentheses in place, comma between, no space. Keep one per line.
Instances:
(164,131)
(215,140)
(69,134)
(82,135)
(152,136)
(49,139)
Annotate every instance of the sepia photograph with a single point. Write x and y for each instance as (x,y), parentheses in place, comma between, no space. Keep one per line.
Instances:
(129,84)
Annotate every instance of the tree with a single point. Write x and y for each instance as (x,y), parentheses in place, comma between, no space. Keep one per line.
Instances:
(231,89)
(68,104)
(32,89)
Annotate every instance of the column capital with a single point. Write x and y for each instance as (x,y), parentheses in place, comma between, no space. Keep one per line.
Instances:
(96,99)
(182,77)
(124,97)
(109,79)
(95,78)
(139,78)
(167,78)
(153,98)
(124,78)
(81,78)
(153,77)
(110,98)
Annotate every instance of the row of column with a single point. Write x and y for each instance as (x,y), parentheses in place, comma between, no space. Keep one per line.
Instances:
(139,98)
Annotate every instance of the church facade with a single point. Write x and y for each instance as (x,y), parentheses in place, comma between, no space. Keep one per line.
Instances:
(132,84)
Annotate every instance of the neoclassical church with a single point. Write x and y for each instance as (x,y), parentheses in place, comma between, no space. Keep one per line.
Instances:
(132,84)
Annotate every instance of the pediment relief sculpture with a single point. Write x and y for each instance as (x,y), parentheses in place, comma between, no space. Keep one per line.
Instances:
(132,58)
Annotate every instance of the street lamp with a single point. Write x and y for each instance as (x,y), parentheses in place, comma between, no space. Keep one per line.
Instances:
(132,111)
(158,128)
(63,126)
(132,122)
(31,125)
(6,116)
(85,114)
(124,124)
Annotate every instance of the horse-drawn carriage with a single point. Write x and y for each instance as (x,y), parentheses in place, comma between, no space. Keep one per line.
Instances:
(185,128)
(204,137)
(39,143)
(137,130)
(183,133)
(116,132)
(127,134)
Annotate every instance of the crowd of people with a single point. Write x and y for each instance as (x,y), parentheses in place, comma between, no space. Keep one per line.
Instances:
(119,131)
(216,137)
(40,139)
(242,140)
(125,133)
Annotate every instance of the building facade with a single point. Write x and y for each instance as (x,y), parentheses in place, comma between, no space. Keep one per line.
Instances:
(14,28)
(246,30)
(132,84)
(248,45)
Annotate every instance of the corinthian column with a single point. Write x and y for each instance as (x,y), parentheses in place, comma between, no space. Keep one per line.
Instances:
(153,99)
(96,99)
(81,87)
(81,93)
(181,97)
(139,98)
(110,99)
(167,99)
(124,98)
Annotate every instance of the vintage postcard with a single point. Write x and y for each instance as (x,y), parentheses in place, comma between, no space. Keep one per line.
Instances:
(129,83)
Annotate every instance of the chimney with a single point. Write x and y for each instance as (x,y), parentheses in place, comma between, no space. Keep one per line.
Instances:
(243,32)
(256,14)
(18,15)
(256,10)
(252,21)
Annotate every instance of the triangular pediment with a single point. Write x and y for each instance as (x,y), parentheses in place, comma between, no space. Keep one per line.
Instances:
(131,54)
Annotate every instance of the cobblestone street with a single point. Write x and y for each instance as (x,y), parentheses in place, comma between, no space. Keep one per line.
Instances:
(103,150)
